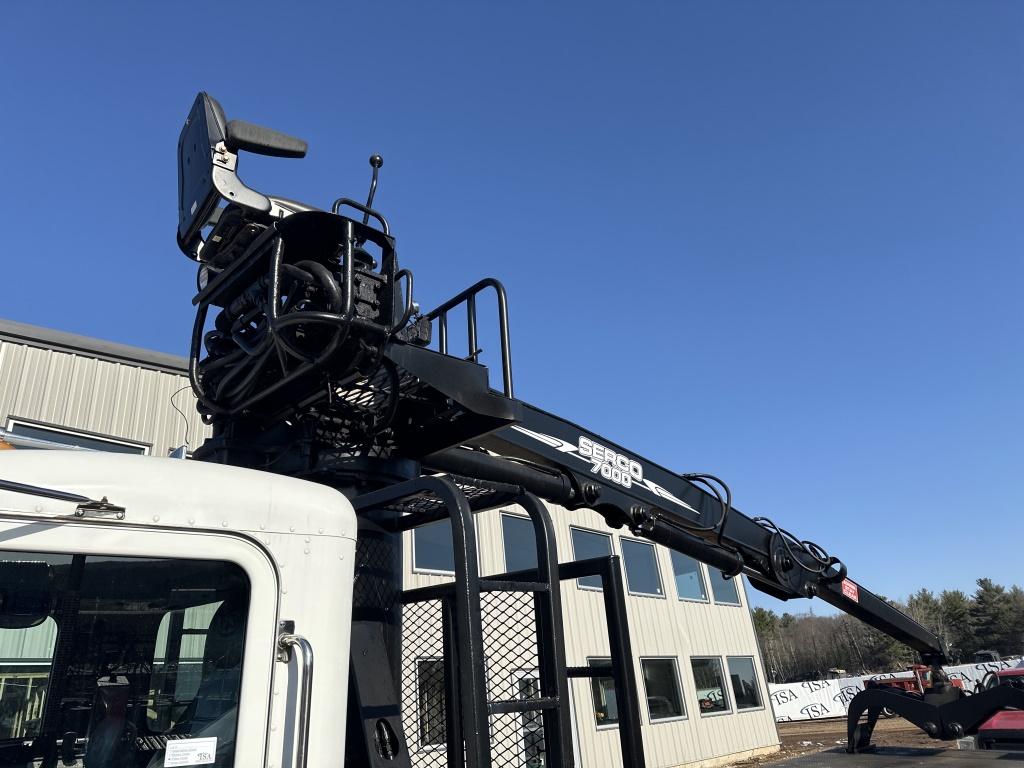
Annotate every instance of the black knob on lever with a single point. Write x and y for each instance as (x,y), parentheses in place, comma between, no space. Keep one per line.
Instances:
(376,161)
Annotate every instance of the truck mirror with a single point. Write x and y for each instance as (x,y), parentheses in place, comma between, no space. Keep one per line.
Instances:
(26,596)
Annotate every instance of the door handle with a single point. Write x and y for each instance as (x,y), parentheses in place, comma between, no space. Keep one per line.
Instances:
(287,643)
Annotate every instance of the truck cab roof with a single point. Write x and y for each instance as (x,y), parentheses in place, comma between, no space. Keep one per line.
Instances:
(174,492)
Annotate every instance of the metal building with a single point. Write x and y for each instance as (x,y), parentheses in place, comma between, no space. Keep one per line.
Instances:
(703,691)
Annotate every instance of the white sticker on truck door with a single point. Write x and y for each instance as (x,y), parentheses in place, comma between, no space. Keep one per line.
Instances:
(190,752)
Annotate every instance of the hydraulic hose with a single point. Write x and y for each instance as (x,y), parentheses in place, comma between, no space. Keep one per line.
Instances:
(555,487)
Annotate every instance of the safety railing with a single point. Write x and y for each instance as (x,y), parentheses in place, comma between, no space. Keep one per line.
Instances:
(468,297)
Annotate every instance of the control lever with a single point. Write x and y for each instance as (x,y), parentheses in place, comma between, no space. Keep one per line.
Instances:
(376,161)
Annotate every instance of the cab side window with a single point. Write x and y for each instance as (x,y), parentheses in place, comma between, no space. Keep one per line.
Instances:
(107,660)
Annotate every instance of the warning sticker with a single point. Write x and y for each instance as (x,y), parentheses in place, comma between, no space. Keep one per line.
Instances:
(190,752)
(851,591)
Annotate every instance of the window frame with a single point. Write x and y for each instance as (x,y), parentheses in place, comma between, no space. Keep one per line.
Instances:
(412,549)
(57,429)
(679,689)
(701,574)
(590,693)
(737,584)
(725,685)
(420,746)
(623,540)
(757,684)
(71,537)
(501,527)
(572,544)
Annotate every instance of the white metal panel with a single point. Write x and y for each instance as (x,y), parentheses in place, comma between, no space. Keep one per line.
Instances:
(307,530)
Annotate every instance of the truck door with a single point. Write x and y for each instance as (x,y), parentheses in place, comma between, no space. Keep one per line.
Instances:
(131,647)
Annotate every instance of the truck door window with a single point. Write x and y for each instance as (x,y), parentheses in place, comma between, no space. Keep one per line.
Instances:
(104,660)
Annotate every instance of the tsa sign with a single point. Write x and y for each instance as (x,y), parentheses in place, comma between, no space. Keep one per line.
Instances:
(851,591)
(181,752)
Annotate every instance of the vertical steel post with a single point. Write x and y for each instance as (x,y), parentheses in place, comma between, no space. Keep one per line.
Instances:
(452,699)
(550,638)
(623,670)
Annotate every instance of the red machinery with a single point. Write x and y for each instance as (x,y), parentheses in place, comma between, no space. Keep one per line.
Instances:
(1004,730)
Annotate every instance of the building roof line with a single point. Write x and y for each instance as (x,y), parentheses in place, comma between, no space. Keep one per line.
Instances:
(61,341)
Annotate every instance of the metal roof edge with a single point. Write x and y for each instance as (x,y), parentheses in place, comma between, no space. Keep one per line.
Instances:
(61,341)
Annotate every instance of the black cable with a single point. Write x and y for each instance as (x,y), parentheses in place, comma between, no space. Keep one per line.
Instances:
(817,553)
(709,481)
(183,416)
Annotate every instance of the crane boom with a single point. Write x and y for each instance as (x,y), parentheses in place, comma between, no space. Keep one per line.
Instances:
(319,363)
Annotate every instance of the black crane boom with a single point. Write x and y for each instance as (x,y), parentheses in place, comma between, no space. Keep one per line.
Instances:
(310,357)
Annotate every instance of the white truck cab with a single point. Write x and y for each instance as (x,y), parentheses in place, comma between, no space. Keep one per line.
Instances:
(157,630)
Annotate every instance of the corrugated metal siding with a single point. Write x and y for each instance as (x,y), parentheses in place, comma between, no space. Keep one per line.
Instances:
(658,627)
(109,398)
(34,644)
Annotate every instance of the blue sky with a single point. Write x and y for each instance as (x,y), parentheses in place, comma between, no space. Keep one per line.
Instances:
(780,242)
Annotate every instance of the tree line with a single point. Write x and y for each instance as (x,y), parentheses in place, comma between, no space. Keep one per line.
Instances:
(808,647)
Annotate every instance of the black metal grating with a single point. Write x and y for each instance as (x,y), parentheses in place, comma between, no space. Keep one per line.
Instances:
(481,494)
(510,647)
(511,655)
(517,740)
(510,644)
(424,706)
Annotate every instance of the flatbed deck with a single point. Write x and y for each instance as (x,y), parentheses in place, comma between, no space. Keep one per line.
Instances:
(903,757)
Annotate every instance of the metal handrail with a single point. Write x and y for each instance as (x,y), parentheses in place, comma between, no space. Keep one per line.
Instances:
(286,643)
(468,297)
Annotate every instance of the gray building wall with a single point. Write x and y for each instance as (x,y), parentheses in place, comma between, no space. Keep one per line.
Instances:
(86,385)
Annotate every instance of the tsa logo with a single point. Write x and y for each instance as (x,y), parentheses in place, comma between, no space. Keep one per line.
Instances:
(783,697)
(814,711)
(845,696)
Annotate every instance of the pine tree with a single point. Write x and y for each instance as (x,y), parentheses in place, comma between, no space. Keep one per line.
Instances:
(1015,633)
(990,617)
(955,611)
(924,608)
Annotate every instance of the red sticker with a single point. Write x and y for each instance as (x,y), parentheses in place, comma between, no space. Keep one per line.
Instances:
(851,591)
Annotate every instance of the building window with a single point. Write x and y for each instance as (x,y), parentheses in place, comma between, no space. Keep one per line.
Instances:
(744,682)
(519,543)
(642,577)
(606,708)
(661,683)
(723,589)
(710,685)
(430,702)
(432,547)
(587,544)
(24,678)
(689,578)
(56,436)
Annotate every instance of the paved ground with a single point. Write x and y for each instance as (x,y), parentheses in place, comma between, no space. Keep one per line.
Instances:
(904,757)
(812,737)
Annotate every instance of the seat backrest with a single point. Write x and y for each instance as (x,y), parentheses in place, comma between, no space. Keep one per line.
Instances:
(222,664)
(197,195)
